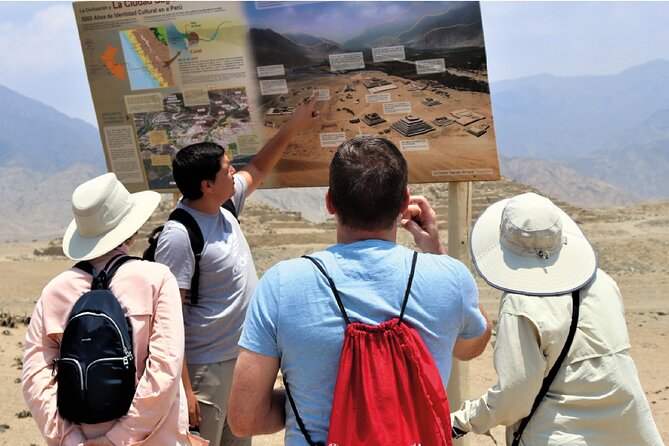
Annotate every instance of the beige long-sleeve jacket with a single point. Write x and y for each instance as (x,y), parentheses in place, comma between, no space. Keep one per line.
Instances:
(149,296)
(596,398)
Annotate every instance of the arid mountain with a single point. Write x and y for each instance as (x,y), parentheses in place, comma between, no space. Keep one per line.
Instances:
(612,128)
(565,183)
(426,26)
(37,137)
(272,48)
(460,27)
(641,168)
(308,39)
(558,118)
(637,160)
(37,206)
(456,36)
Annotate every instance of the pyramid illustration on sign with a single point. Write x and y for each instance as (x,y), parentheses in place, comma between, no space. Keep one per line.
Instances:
(411,126)
(372,119)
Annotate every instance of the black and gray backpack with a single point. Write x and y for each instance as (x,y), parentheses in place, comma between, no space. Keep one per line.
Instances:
(96,368)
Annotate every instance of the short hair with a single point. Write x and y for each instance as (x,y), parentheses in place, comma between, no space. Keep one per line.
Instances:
(368,179)
(196,163)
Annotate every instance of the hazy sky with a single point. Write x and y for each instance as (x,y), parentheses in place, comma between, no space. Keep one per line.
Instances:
(40,53)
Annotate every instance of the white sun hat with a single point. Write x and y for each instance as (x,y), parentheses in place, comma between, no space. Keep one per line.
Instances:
(105,215)
(527,245)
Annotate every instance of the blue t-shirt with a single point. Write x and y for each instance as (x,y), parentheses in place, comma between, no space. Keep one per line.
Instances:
(293,315)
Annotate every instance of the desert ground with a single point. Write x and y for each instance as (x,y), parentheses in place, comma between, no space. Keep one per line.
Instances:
(632,245)
(449,145)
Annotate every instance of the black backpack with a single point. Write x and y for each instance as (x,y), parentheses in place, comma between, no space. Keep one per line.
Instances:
(96,368)
(196,243)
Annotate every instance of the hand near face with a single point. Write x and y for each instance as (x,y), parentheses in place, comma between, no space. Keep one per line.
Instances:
(421,221)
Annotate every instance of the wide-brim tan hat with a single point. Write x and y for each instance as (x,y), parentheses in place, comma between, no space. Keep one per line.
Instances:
(527,245)
(105,215)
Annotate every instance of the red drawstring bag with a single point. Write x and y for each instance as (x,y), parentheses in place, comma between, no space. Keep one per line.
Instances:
(388,389)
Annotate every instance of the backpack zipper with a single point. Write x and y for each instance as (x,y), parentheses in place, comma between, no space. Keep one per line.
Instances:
(81,372)
(125,360)
(118,330)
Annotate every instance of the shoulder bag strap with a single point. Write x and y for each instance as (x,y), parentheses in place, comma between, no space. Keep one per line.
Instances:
(548,380)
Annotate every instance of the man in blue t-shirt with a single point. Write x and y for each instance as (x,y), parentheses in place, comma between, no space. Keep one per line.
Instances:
(293,320)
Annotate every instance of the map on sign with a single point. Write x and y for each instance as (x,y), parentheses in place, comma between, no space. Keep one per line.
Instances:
(147,58)
(161,134)
(109,58)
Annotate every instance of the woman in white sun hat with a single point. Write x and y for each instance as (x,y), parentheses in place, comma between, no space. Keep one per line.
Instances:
(106,220)
(532,251)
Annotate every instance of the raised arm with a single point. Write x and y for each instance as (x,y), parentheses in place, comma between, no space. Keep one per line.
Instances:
(264,161)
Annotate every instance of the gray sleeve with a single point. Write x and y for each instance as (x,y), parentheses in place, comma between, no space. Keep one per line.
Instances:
(239,198)
(174,250)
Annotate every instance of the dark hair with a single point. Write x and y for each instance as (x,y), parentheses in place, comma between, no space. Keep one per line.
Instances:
(368,179)
(196,163)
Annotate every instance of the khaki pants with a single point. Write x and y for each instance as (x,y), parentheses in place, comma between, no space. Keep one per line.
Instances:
(211,383)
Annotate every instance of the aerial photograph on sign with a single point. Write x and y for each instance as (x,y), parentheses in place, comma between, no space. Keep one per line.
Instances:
(161,134)
(412,72)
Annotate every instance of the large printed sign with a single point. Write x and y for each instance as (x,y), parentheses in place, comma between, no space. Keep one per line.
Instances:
(164,75)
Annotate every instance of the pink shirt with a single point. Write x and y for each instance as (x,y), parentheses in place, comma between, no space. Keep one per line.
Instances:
(149,296)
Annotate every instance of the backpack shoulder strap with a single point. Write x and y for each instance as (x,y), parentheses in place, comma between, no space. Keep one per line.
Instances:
(110,271)
(85,267)
(408,290)
(300,423)
(194,232)
(230,206)
(332,287)
(196,243)
(102,279)
(548,380)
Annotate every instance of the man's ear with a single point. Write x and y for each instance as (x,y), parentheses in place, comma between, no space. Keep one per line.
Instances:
(205,185)
(407,199)
(328,203)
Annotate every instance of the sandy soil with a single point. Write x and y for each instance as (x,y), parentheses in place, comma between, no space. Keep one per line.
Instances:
(632,244)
